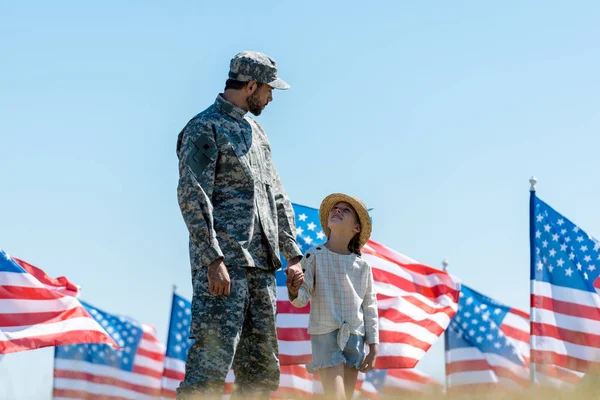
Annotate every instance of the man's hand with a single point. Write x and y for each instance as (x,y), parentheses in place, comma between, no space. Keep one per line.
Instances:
(295,276)
(218,278)
(369,362)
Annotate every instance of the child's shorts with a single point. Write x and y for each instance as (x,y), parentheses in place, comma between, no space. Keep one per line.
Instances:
(327,353)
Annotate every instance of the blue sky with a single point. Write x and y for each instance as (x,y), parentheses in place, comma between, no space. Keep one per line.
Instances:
(434,114)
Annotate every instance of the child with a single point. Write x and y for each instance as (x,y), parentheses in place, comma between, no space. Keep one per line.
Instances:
(339,284)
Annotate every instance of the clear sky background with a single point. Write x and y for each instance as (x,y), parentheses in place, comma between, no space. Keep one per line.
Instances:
(434,113)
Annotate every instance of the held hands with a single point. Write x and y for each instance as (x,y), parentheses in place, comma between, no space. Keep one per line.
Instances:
(218,278)
(369,362)
(295,276)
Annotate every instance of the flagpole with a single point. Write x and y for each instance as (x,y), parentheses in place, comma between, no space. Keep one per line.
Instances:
(445,264)
(532,189)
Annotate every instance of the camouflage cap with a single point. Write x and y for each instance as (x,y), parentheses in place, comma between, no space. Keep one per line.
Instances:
(254,66)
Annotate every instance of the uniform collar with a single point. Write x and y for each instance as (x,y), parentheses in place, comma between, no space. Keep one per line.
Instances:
(229,108)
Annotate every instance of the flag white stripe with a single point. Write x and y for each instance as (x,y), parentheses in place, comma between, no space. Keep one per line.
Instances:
(73,324)
(401,349)
(292,321)
(97,389)
(418,314)
(146,362)
(545,343)
(174,364)
(470,377)
(105,370)
(440,302)
(566,321)
(496,360)
(575,296)
(152,346)
(14,306)
(170,384)
(413,329)
(427,281)
(394,382)
(295,348)
(516,321)
(464,354)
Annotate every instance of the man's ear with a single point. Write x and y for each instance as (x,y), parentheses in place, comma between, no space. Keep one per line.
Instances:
(251,87)
(357,228)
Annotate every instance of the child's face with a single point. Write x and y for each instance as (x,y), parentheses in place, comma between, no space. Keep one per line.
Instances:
(342,216)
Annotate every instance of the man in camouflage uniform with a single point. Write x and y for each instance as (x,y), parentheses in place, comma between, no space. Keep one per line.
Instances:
(239,220)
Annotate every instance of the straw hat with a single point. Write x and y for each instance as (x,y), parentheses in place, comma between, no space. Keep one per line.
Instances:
(360,208)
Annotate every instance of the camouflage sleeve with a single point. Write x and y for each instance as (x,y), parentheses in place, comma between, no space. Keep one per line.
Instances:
(197,152)
(370,313)
(305,292)
(286,221)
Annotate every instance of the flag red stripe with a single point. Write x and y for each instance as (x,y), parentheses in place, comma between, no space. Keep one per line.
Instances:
(396,316)
(550,357)
(151,354)
(149,372)
(507,373)
(150,337)
(448,310)
(401,337)
(558,373)
(82,395)
(386,362)
(566,335)
(381,276)
(293,334)
(386,253)
(285,307)
(565,308)
(467,365)
(520,313)
(105,380)
(515,333)
(286,359)
(56,339)
(27,319)
(28,293)
(174,374)
(297,370)
(40,275)
(168,394)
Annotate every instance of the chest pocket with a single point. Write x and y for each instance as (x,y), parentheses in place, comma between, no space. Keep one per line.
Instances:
(266,163)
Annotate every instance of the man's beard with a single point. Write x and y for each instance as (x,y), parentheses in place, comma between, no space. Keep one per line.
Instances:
(254,105)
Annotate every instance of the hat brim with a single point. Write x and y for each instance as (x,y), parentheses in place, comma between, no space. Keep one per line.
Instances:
(361,211)
(279,84)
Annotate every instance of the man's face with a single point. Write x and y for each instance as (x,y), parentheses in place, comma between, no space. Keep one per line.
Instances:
(259,99)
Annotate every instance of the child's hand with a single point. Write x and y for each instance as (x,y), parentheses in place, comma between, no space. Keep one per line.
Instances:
(292,294)
(369,362)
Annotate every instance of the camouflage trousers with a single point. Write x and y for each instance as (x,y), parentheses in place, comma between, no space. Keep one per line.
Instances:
(236,331)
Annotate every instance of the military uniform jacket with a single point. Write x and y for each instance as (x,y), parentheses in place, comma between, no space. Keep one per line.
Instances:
(229,188)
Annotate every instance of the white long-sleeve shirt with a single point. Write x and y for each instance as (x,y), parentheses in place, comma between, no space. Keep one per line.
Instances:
(341,294)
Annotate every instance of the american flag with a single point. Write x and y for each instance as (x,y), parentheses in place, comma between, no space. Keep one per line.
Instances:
(416,302)
(377,383)
(565,286)
(99,371)
(487,348)
(38,311)
(178,344)
(295,380)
